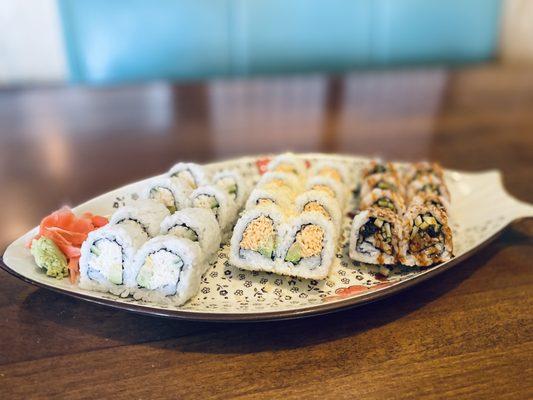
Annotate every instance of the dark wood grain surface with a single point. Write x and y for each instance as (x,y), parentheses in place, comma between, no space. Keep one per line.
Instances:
(467,333)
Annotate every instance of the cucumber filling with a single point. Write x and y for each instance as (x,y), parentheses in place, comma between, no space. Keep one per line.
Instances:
(160,271)
(164,196)
(106,261)
(385,202)
(260,236)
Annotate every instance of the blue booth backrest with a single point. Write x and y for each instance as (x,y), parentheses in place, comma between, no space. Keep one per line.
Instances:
(112,41)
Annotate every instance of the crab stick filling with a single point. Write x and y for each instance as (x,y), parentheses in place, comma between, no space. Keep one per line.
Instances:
(260,236)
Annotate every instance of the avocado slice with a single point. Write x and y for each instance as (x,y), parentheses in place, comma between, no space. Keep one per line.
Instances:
(115,274)
(267,249)
(294,254)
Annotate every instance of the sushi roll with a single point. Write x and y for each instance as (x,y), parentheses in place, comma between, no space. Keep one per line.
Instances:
(193,174)
(233,183)
(255,239)
(375,236)
(260,197)
(308,248)
(288,163)
(427,238)
(218,201)
(107,254)
(333,170)
(147,214)
(196,224)
(383,181)
(376,167)
(416,171)
(383,199)
(427,199)
(173,194)
(321,202)
(428,184)
(330,186)
(166,270)
(280,181)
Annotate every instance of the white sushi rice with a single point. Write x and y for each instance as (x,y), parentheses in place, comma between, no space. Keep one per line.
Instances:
(330,205)
(340,190)
(204,225)
(169,267)
(194,174)
(147,213)
(167,191)
(104,269)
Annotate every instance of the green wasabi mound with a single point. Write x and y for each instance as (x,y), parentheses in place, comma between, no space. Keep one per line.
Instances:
(49,258)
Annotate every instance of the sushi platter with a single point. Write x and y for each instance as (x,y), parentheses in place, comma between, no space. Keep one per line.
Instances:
(265,237)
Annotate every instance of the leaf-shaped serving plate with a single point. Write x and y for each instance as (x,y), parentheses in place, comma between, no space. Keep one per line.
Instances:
(480,209)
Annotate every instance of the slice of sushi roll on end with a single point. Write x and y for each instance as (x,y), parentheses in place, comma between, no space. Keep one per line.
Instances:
(260,197)
(321,202)
(383,199)
(430,199)
(427,238)
(428,184)
(288,163)
(235,184)
(256,237)
(218,201)
(384,181)
(147,214)
(280,181)
(193,174)
(420,169)
(198,225)
(106,255)
(331,187)
(166,270)
(330,169)
(376,167)
(375,236)
(308,248)
(173,194)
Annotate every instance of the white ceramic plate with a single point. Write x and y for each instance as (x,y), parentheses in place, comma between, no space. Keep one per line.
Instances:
(480,209)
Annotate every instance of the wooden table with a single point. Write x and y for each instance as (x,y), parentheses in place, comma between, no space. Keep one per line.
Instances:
(465,334)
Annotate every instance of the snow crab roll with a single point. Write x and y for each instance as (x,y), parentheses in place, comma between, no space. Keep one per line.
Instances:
(330,186)
(218,201)
(427,238)
(308,248)
(333,170)
(428,184)
(288,163)
(107,254)
(147,214)
(375,236)
(173,194)
(377,167)
(193,174)
(383,181)
(420,169)
(233,183)
(260,197)
(430,199)
(254,244)
(280,181)
(383,199)
(321,202)
(166,270)
(196,224)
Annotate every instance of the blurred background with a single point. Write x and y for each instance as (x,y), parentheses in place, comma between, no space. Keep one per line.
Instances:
(98,93)
(110,42)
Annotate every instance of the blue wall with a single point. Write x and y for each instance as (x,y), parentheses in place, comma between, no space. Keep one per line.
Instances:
(111,41)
